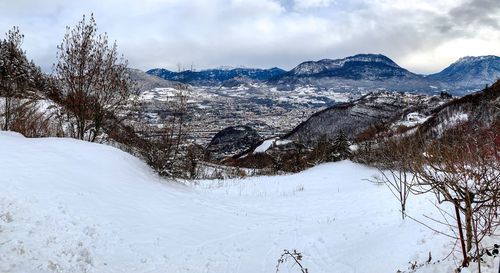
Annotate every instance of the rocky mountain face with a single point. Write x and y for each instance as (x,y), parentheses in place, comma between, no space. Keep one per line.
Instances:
(354,117)
(213,77)
(469,73)
(231,141)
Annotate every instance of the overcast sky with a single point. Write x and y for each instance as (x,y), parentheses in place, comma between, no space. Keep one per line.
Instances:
(423,36)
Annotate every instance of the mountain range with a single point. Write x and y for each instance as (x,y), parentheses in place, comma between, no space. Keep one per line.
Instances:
(362,72)
(470,71)
(211,77)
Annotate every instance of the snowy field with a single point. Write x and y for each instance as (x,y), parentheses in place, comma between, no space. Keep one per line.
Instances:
(71,206)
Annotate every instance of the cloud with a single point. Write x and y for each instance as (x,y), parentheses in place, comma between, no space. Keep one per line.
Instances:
(307,4)
(417,34)
(477,12)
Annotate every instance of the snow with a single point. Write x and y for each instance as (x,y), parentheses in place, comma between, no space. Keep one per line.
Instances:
(459,118)
(453,120)
(413,119)
(163,94)
(268,143)
(473,59)
(311,67)
(282,142)
(72,206)
(262,148)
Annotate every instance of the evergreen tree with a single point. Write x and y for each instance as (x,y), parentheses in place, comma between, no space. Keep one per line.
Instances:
(341,148)
(18,77)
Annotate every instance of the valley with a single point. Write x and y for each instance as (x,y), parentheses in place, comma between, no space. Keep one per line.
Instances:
(269,111)
(274,101)
(248,136)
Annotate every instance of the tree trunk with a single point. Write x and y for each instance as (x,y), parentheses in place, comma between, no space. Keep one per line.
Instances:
(7,113)
(461,234)
(468,227)
(478,255)
(81,128)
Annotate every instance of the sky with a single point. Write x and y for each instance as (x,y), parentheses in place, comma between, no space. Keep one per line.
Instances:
(423,36)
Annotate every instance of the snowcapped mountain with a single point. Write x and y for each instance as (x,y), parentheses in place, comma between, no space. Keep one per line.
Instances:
(211,77)
(470,73)
(342,66)
(355,73)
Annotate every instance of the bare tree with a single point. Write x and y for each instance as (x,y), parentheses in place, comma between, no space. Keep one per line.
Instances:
(463,169)
(94,82)
(397,157)
(164,146)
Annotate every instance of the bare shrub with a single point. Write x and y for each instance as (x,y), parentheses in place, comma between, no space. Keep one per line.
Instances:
(396,157)
(164,148)
(29,119)
(194,153)
(371,133)
(296,258)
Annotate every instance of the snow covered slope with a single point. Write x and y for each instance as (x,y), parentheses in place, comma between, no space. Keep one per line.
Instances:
(470,73)
(72,206)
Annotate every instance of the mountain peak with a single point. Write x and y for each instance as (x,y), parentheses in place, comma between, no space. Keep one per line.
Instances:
(372,58)
(365,57)
(472,59)
(470,73)
(337,67)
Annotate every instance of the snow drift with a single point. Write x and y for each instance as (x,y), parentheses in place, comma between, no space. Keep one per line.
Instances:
(72,206)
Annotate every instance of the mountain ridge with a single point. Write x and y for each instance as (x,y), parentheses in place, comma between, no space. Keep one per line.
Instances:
(470,73)
(357,73)
(216,76)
